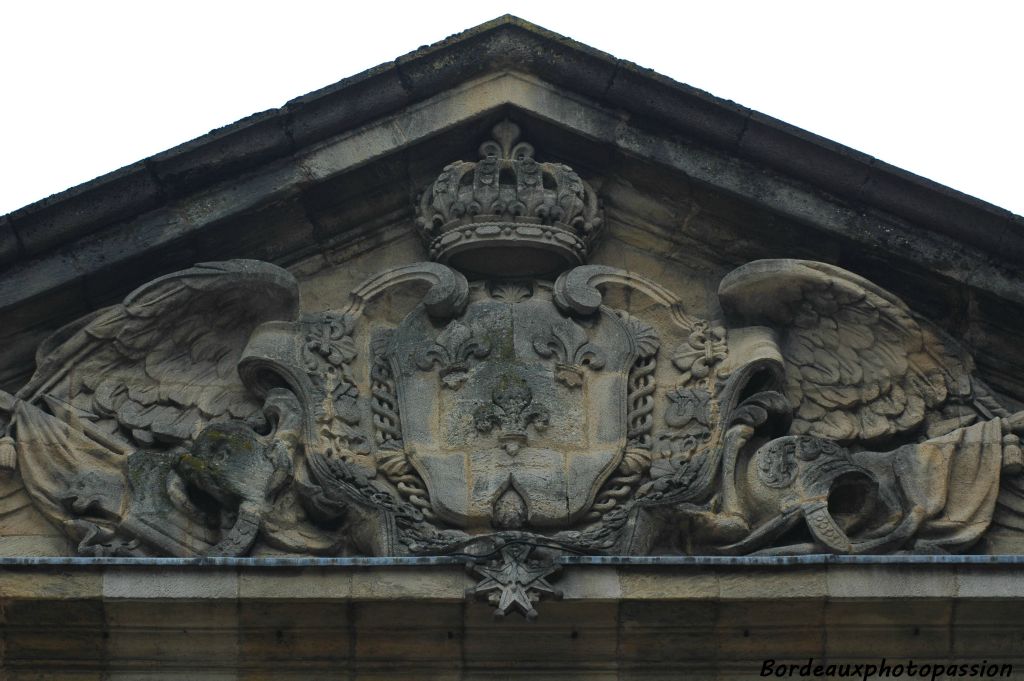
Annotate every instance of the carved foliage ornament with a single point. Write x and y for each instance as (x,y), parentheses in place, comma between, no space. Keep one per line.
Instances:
(209,414)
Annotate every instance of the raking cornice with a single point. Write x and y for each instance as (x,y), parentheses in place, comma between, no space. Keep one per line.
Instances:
(85,247)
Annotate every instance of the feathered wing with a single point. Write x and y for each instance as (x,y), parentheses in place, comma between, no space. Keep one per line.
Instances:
(151,372)
(858,366)
(161,365)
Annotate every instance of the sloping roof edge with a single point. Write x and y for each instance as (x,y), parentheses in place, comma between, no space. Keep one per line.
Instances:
(507,43)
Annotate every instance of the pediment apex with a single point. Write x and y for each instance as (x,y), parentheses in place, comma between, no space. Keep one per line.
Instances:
(331,168)
(508,44)
(509,294)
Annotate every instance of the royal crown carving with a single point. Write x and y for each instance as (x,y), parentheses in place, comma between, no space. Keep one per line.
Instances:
(210,413)
(508,213)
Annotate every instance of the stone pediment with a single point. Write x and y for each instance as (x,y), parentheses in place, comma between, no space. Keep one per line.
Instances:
(511,294)
(335,172)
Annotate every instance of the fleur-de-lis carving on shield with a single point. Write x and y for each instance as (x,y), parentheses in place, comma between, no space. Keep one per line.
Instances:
(511,410)
(568,343)
(451,351)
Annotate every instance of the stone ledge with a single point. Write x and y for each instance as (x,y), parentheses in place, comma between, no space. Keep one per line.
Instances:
(445,580)
(412,621)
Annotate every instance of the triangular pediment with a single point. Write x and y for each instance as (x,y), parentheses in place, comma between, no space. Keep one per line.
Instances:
(509,305)
(707,181)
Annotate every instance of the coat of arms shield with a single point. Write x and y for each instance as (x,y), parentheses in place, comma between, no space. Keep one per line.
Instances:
(513,413)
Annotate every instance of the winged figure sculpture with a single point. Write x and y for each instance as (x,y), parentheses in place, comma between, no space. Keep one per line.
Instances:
(207,415)
(507,391)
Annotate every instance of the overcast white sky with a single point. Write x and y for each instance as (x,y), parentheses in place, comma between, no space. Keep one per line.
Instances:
(932,87)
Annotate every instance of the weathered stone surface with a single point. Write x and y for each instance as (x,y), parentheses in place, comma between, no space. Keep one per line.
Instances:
(591,583)
(51,585)
(551,82)
(689,625)
(222,153)
(16,544)
(297,583)
(987,629)
(794,630)
(75,212)
(9,248)
(330,635)
(918,629)
(807,410)
(409,638)
(653,582)
(789,582)
(402,584)
(638,322)
(31,648)
(183,633)
(136,584)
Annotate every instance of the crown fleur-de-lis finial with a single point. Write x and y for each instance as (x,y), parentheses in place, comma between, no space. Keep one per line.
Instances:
(507,214)
(503,145)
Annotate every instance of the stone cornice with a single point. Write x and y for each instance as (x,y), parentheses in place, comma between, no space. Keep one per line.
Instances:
(286,184)
(507,43)
(414,621)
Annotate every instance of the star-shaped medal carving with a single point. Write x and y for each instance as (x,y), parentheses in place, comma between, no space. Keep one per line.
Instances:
(513,581)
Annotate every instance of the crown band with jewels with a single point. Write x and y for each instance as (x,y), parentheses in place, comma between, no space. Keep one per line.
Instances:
(507,214)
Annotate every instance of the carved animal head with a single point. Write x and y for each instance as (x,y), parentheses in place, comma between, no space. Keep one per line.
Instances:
(230,462)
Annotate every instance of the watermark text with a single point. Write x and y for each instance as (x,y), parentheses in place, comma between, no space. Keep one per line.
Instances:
(887,670)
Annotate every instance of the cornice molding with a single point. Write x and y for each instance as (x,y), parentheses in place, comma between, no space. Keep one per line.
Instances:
(652,101)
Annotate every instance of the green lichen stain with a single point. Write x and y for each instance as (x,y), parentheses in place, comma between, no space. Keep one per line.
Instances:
(235,438)
(193,463)
(501,343)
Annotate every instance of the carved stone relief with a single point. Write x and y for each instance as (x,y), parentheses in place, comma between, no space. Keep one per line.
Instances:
(208,414)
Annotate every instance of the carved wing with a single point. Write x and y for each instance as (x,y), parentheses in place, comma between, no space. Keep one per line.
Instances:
(162,364)
(858,365)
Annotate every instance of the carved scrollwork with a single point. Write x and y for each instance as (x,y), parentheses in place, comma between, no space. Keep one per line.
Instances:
(446,298)
(820,415)
(242,471)
(688,415)
(776,465)
(329,340)
(777,462)
(577,291)
(210,413)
